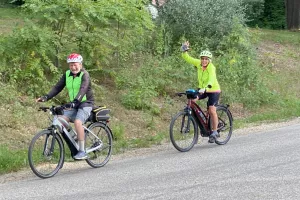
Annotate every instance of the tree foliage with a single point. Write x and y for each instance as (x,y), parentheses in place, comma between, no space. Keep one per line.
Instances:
(93,28)
(265,13)
(274,14)
(102,31)
(254,11)
(26,57)
(202,22)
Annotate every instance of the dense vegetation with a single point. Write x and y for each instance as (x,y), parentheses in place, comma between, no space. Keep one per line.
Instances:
(266,13)
(135,64)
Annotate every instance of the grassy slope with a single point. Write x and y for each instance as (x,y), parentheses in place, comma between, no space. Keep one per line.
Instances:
(8,18)
(278,53)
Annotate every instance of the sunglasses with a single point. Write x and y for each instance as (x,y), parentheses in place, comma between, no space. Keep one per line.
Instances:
(204,58)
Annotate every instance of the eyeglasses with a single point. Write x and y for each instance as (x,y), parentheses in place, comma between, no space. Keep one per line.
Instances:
(204,58)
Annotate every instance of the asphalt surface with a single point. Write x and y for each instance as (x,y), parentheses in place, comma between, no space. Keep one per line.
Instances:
(258,165)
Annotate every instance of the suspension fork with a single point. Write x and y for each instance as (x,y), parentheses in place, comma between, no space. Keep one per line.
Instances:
(51,150)
(188,111)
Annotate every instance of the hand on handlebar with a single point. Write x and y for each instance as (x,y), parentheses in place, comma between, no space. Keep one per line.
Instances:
(73,104)
(201,91)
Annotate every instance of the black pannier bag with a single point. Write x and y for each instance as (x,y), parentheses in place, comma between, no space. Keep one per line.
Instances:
(100,113)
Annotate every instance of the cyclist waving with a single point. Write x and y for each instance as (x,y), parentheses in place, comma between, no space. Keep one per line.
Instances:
(208,81)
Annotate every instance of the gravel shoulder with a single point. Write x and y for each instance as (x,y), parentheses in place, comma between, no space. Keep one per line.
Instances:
(27,174)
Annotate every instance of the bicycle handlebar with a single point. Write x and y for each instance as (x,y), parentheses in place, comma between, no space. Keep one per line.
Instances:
(199,90)
(43,108)
(57,110)
(180,93)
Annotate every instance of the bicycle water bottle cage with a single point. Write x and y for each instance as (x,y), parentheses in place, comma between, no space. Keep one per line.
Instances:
(191,93)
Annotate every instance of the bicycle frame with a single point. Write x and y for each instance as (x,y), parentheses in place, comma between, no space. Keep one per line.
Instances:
(192,117)
(57,125)
(202,123)
(46,152)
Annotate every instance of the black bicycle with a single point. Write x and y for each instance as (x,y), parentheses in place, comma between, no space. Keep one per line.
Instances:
(185,125)
(46,152)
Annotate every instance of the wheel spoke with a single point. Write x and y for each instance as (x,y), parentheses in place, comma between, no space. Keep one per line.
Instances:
(45,154)
(101,156)
(183,132)
(224,125)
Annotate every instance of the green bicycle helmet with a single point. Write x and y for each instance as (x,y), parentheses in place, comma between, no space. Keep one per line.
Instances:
(206,53)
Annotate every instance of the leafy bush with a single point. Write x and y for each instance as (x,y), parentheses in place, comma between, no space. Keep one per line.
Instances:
(26,57)
(204,23)
(274,14)
(238,71)
(101,31)
(152,78)
(96,29)
(265,13)
(254,11)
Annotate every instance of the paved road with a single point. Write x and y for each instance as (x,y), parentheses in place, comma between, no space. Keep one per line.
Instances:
(262,165)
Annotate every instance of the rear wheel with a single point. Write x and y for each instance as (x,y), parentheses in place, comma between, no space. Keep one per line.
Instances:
(100,156)
(224,125)
(183,132)
(46,154)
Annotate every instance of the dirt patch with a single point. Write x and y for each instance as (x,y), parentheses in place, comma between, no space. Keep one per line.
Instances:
(277,56)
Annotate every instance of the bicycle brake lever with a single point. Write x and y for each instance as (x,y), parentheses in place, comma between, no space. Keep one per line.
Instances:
(43,109)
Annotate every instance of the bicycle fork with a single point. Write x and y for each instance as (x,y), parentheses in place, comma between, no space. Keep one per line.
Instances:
(46,151)
(187,127)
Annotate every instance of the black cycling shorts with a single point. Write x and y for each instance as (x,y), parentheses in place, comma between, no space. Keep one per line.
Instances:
(213,98)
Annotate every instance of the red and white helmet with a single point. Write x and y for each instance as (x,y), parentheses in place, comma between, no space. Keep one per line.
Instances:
(74,57)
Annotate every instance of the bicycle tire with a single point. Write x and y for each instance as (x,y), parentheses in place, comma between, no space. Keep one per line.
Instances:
(225,125)
(42,162)
(99,157)
(182,137)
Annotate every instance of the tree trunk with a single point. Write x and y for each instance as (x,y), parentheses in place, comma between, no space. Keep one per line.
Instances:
(293,14)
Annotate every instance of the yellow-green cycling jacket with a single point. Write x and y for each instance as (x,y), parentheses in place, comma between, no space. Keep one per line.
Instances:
(207,76)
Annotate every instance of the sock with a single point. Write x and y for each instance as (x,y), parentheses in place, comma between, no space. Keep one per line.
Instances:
(215,132)
(81,145)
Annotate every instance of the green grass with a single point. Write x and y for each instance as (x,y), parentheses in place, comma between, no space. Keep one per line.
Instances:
(12,160)
(8,18)
(10,13)
(279,36)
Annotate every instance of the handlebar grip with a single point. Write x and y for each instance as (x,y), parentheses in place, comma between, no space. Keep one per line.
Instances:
(43,108)
(180,93)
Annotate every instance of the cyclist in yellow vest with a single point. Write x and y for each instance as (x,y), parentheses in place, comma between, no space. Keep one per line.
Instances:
(208,84)
(78,83)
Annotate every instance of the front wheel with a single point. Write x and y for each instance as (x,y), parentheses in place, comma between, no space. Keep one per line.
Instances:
(102,137)
(46,154)
(183,132)
(225,125)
